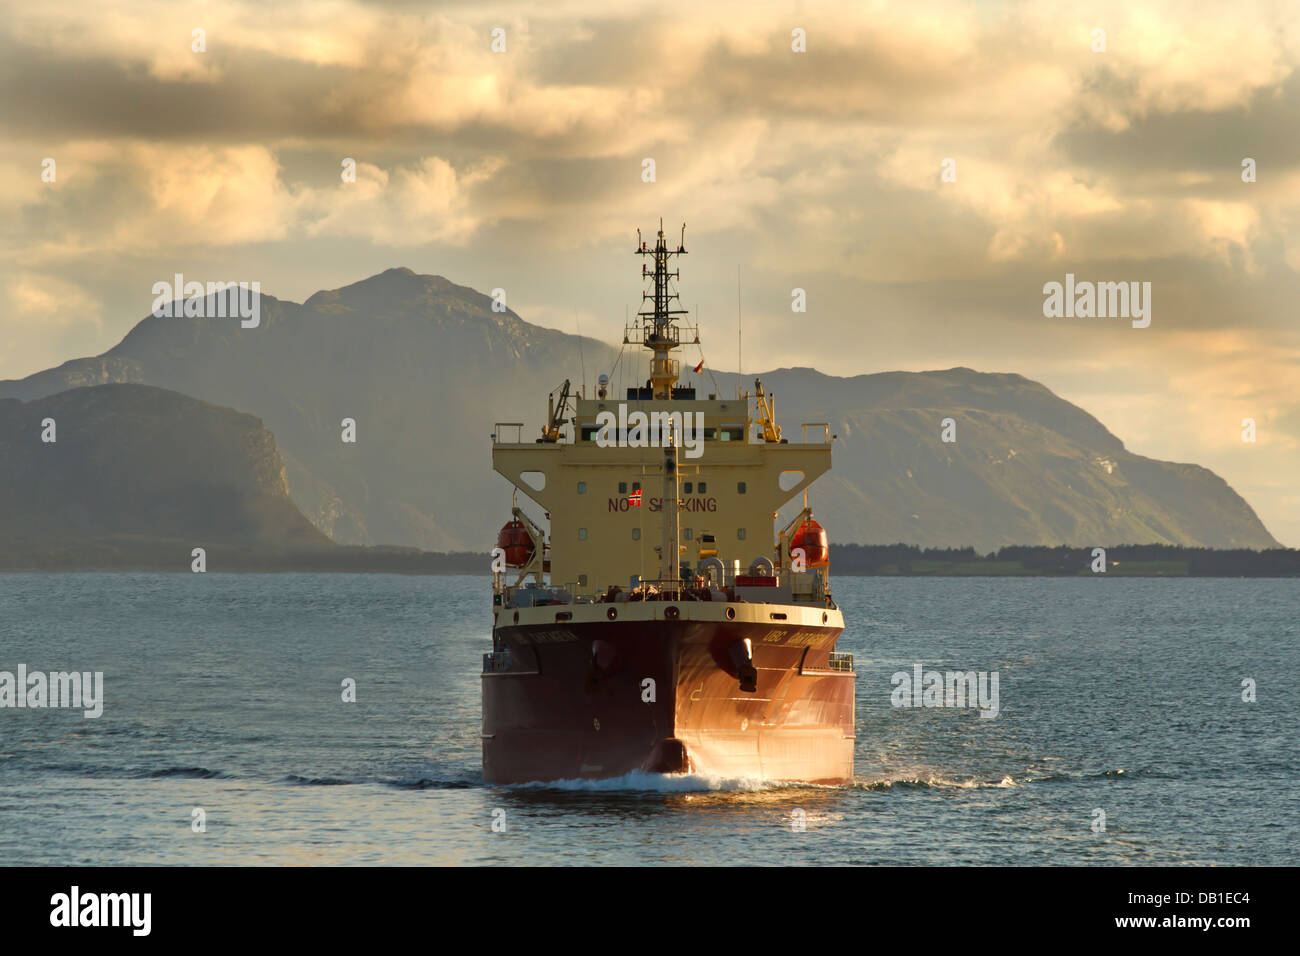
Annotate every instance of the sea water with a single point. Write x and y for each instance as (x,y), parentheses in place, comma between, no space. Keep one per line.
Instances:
(1139,721)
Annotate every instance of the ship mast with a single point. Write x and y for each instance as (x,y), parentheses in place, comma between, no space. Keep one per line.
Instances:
(669,566)
(658,329)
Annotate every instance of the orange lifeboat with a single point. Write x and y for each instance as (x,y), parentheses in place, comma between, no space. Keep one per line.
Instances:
(514,540)
(811,537)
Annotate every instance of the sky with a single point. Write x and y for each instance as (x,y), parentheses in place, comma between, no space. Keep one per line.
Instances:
(920,170)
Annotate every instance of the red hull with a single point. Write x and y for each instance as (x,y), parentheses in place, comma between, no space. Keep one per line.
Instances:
(573,701)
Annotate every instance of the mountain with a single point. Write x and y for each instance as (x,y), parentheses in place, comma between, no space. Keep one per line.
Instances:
(141,467)
(426,369)
(423,366)
(1026,467)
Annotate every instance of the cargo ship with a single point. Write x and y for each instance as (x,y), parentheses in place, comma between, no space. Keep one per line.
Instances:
(654,617)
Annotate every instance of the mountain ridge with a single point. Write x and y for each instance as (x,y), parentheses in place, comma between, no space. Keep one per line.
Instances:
(126,462)
(425,368)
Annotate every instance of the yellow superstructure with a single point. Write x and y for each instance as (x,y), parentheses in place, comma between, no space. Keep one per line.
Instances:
(732,492)
(610,488)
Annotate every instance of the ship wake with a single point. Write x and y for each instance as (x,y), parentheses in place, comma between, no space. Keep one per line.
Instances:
(643,781)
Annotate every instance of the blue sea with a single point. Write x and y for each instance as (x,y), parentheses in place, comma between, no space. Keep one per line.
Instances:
(1120,701)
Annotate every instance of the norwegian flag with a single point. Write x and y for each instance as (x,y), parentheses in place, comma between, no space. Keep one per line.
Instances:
(698,367)
(634,498)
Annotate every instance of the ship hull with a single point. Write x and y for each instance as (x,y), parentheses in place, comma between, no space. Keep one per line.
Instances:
(601,699)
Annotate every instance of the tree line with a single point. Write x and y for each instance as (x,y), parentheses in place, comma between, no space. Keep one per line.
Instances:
(1041,559)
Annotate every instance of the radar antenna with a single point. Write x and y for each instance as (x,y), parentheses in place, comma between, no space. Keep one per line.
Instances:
(658,329)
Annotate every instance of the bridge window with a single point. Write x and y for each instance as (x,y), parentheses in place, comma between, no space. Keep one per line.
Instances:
(703,487)
(636,534)
(686,488)
(622,487)
(582,487)
(582,534)
(740,487)
(690,533)
(740,534)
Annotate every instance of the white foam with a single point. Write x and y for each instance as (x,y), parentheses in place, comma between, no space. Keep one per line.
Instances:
(940,781)
(656,783)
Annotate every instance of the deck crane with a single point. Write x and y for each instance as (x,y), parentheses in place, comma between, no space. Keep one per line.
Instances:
(555,414)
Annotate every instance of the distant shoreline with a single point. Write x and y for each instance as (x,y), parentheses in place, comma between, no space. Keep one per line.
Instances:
(847,560)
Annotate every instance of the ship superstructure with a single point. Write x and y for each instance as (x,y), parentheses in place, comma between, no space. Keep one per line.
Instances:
(662,622)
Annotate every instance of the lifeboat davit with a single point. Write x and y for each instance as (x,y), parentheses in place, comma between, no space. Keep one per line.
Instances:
(811,537)
(514,540)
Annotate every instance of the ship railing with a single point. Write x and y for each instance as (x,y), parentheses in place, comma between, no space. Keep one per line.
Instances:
(672,334)
(660,368)
(546,595)
(664,589)
(577,595)
(675,589)
(498,433)
(805,587)
(840,661)
(826,432)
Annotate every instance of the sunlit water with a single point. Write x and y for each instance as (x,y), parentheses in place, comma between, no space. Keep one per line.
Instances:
(224,692)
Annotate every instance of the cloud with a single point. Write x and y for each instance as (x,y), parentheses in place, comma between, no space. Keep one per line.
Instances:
(819,170)
(47,319)
(429,202)
(48,301)
(170,197)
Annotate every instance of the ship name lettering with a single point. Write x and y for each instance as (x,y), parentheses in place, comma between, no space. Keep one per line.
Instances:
(657,504)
